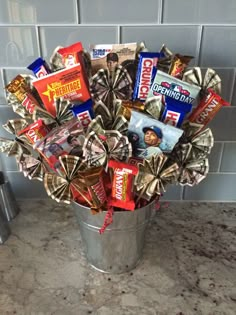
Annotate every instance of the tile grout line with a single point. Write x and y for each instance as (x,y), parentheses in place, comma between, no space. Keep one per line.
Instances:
(119,38)
(78,11)
(232,87)
(38,40)
(221,158)
(160,12)
(199,45)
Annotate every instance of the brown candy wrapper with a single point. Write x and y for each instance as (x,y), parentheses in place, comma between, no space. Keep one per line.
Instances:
(111,144)
(93,181)
(178,65)
(24,101)
(210,80)
(154,175)
(107,87)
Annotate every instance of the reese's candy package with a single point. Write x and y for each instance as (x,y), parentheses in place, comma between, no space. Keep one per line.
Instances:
(40,68)
(122,183)
(145,74)
(167,85)
(69,83)
(207,108)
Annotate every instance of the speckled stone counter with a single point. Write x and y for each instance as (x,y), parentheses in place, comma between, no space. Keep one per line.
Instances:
(189,265)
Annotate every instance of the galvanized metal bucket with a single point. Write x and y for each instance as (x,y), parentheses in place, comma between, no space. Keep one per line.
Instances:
(119,249)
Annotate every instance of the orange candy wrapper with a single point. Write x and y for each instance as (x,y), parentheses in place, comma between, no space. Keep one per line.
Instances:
(69,83)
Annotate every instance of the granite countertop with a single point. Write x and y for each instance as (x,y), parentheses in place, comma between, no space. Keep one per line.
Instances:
(188,265)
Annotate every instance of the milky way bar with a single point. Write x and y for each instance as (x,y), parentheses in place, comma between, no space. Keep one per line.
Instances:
(145,74)
(167,85)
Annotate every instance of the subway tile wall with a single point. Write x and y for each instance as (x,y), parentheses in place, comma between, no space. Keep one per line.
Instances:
(31,28)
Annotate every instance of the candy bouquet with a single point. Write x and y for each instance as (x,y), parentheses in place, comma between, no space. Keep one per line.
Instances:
(110,128)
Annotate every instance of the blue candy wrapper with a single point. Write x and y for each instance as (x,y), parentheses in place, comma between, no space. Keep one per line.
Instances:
(175,111)
(39,67)
(84,112)
(145,74)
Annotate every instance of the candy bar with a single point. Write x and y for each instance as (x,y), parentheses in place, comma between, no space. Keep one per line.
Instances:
(19,88)
(207,108)
(39,67)
(84,112)
(122,182)
(145,74)
(35,132)
(178,65)
(175,112)
(70,56)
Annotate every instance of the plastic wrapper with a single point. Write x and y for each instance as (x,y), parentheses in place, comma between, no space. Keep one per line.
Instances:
(35,132)
(178,65)
(39,67)
(207,108)
(110,145)
(122,183)
(84,112)
(154,175)
(22,99)
(149,136)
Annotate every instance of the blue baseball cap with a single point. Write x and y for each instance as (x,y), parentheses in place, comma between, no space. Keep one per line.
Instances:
(155,129)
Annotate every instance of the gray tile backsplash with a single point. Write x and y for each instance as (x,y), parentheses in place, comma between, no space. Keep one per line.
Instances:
(200,11)
(38,12)
(228,163)
(24,188)
(215,156)
(216,187)
(30,28)
(174,36)
(118,12)
(18,46)
(218,48)
(51,37)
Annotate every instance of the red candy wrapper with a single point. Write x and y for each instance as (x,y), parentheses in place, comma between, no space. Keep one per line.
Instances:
(207,108)
(69,83)
(35,131)
(70,55)
(122,183)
